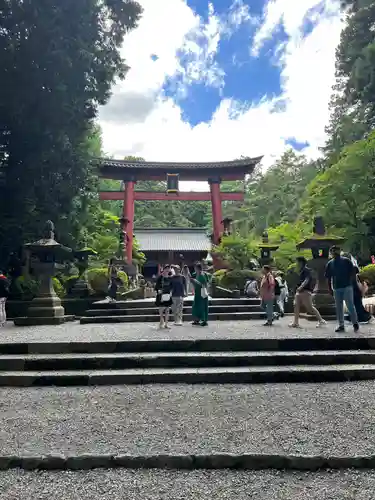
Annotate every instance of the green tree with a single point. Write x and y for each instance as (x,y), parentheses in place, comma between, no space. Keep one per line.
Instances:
(274,197)
(57,63)
(344,195)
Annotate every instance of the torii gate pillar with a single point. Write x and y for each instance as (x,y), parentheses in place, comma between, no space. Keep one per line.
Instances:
(128,213)
(217,215)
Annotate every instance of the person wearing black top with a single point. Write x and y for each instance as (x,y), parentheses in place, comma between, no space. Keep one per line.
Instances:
(363,315)
(304,294)
(340,273)
(163,289)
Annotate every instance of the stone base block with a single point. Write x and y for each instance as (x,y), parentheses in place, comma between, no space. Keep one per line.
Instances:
(36,321)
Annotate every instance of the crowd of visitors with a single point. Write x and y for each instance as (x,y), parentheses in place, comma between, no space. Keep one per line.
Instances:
(342,274)
(172,286)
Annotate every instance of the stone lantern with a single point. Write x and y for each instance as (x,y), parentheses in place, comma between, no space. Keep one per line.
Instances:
(319,243)
(48,254)
(81,287)
(227,226)
(266,250)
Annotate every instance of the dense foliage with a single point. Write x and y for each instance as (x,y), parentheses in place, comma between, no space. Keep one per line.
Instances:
(58,63)
(58,60)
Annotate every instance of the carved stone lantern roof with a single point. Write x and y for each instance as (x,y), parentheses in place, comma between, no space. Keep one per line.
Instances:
(319,240)
(48,245)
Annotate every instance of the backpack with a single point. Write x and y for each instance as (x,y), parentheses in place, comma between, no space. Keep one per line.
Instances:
(277,287)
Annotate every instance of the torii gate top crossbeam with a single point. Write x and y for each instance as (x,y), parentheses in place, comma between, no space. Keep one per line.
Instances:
(149,170)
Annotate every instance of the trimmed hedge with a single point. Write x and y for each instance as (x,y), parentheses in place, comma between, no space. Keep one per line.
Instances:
(99,281)
(368,273)
(235,280)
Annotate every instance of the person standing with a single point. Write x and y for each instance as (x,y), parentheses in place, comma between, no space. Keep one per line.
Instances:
(251,289)
(187,276)
(359,291)
(304,294)
(178,294)
(4,293)
(113,281)
(163,288)
(283,297)
(267,294)
(200,303)
(340,273)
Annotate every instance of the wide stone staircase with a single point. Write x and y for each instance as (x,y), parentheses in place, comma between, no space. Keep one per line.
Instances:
(193,361)
(145,311)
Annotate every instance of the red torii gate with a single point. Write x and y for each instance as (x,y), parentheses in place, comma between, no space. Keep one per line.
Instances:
(214,173)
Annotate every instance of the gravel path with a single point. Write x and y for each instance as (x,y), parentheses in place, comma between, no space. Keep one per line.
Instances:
(199,485)
(337,419)
(74,332)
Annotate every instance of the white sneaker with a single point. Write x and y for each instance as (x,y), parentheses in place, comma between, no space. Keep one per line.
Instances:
(161,326)
(178,323)
(321,323)
(294,325)
(167,327)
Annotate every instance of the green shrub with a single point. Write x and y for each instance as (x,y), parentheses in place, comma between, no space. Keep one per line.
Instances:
(368,273)
(219,275)
(237,279)
(99,281)
(125,280)
(26,288)
(58,287)
(69,283)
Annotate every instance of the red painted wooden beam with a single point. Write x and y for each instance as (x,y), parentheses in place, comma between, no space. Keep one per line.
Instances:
(159,196)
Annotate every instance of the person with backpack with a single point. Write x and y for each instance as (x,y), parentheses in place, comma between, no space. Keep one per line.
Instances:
(281,293)
(304,294)
(267,294)
(251,289)
(4,293)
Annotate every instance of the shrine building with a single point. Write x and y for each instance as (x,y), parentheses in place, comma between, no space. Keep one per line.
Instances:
(182,246)
(129,172)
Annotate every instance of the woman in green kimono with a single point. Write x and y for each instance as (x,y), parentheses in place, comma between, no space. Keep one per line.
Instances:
(200,304)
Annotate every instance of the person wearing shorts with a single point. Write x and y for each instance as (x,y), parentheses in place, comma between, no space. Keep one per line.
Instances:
(304,294)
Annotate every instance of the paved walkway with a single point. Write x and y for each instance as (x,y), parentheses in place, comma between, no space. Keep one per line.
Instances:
(74,332)
(309,419)
(197,485)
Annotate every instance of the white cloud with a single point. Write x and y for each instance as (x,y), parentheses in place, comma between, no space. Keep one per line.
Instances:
(235,129)
(290,14)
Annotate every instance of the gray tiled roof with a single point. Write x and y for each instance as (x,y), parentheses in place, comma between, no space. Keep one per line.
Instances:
(183,240)
(242,163)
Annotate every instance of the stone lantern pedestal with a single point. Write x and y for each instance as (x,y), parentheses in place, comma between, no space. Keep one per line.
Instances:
(319,244)
(46,307)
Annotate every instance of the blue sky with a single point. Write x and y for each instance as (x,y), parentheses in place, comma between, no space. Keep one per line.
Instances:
(246,79)
(216,80)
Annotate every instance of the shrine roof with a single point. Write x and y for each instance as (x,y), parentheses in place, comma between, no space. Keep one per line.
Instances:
(173,239)
(244,164)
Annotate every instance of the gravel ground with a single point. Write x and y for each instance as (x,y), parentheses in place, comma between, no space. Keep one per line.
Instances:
(74,332)
(337,419)
(199,485)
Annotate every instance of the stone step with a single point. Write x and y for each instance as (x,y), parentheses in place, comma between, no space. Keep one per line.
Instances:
(149,311)
(211,375)
(149,318)
(169,344)
(122,361)
(184,462)
(134,304)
